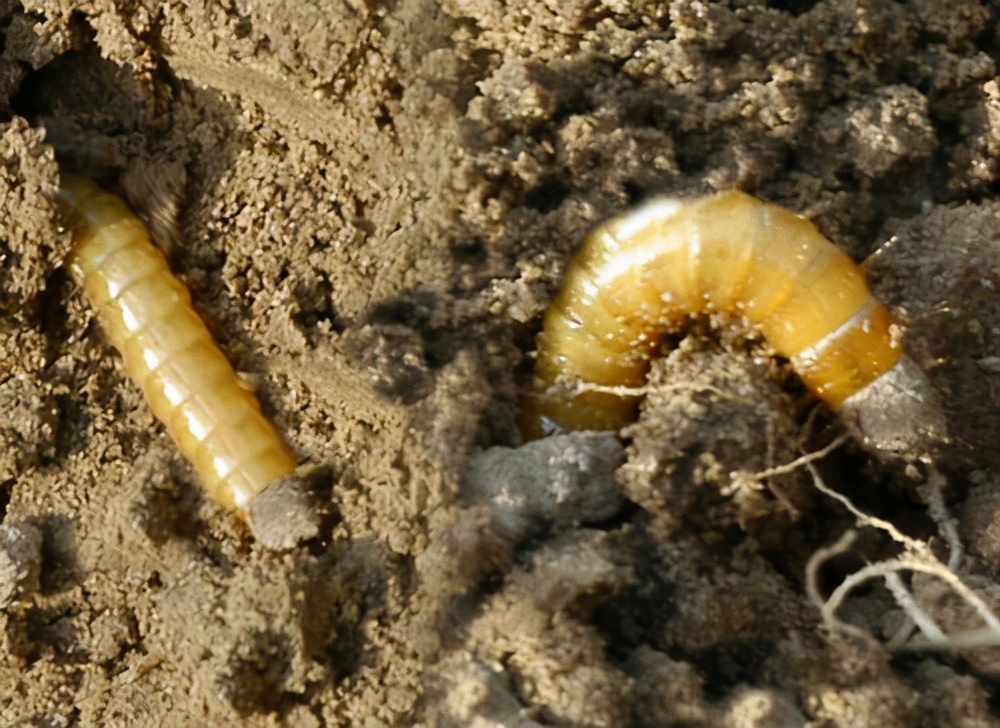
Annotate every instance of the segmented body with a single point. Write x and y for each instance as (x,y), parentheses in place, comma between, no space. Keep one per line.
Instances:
(641,274)
(168,351)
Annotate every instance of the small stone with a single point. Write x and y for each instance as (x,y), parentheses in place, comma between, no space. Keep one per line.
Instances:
(20,562)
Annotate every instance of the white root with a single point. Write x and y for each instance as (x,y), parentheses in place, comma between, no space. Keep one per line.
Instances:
(916,557)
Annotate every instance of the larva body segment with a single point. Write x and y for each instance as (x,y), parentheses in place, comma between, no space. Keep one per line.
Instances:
(168,351)
(639,275)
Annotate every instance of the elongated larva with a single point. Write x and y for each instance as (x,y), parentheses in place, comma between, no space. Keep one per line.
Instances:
(642,273)
(188,382)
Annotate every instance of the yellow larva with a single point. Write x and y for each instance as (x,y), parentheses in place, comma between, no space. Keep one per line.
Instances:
(189,384)
(642,273)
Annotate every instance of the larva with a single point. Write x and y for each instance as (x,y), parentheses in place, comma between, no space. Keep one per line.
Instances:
(642,273)
(168,351)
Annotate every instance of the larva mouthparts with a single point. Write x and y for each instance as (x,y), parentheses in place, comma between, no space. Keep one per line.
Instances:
(643,273)
(899,412)
(190,386)
(283,514)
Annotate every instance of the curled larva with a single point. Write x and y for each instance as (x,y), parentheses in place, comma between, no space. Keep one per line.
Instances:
(189,384)
(641,274)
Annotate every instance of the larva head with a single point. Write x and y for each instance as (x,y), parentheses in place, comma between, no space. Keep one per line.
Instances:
(898,413)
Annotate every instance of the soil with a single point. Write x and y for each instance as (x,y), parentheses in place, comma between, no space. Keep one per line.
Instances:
(372,204)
